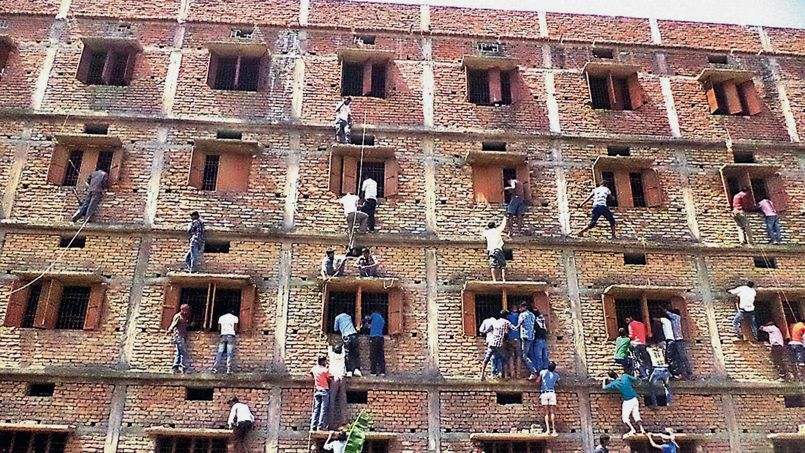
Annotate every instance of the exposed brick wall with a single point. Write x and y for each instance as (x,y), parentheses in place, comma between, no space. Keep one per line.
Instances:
(598,28)
(786,39)
(793,74)
(709,36)
(37,7)
(22,68)
(367,15)
(494,23)
(151,9)
(284,13)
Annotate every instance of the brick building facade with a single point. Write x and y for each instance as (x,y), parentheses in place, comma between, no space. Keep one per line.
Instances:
(698,109)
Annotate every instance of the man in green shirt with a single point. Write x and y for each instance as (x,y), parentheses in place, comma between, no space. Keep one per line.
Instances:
(631,405)
(623,351)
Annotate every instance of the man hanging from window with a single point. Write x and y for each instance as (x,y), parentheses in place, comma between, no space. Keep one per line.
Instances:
(547,397)
(539,352)
(514,350)
(516,206)
(779,357)
(772,221)
(97,183)
(354,217)
(494,248)
(623,351)
(367,264)
(369,206)
(637,335)
(495,330)
(196,239)
(226,344)
(337,398)
(660,376)
(740,200)
(377,349)
(796,344)
(668,445)
(745,308)
(178,329)
(336,442)
(677,349)
(343,325)
(241,421)
(631,404)
(526,323)
(343,121)
(321,394)
(599,195)
(332,265)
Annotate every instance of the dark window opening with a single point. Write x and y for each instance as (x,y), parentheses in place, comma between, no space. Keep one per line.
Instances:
(514,300)
(765,262)
(105,161)
(487,306)
(508,254)
(225,74)
(628,308)
(508,175)
(43,389)
(117,73)
(106,66)
(210,176)
(196,298)
(31,305)
(512,447)
(227,134)
(32,441)
(505,88)
(493,146)
(763,314)
(188,444)
(378,81)
(478,84)
(368,40)
(351,79)
(733,186)
(717,59)
(73,242)
(788,446)
(599,93)
(618,151)
(721,107)
(622,92)
(601,97)
(199,393)
(504,398)
(743,157)
(340,302)
(227,300)
(376,302)
(759,189)
(249,76)
(375,446)
(357,397)
(360,139)
(216,247)
(662,400)
(791,310)
(235,73)
(73,307)
(645,447)
(638,196)
(96,129)
(375,170)
(73,168)
(205,310)
(96,63)
(792,401)
(609,180)
(634,258)
(603,53)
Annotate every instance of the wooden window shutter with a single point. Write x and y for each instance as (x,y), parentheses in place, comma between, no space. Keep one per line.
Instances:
(117,165)
(195,176)
(776,190)
(392,178)
(395,311)
(47,310)
(17,302)
(131,64)
(325,306)
(635,92)
(88,164)
(58,165)
(335,173)
(233,172)
(468,313)
(248,297)
(495,95)
(542,303)
(170,304)
(712,98)
(725,183)
(651,187)
(487,181)
(349,176)
(524,176)
(366,89)
(82,72)
(688,325)
(754,104)
(95,307)
(212,70)
(616,101)
(731,97)
(610,316)
(778,315)
(623,188)
(589,87)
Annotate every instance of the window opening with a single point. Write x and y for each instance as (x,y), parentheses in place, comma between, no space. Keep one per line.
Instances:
(73,168)
(599,92)
(357,397)
(73,307)
(505,87)
(618,151)
(767,262)
(378,81)
(628,308)
(188,444)
(105,161)
(210,176)
(34,292)
(638,196)
(36,441)
(512,447)
(603,53)
(42,389)
(758,188)
(609,180)
(368,40)
(375,170)
(351,79)
(486,306)
(505,398)
(376,302)
(96,129)
(634,258)
(508,175)
(225,75)
(96,63)
(227,300)
(227,134)
(216,247)
(493,146)
(478,82)
(78,242)
(360,139)
(196,298)
(340,302)
(743,157)
(199,393)
(717,59)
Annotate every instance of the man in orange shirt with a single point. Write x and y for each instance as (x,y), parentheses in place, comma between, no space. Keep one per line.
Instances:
(637,333)
(321,394)
(796,345)
(739,202)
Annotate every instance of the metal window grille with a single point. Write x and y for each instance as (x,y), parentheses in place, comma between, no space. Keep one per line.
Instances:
(73,307)
(622,91)
(196,298)
(96,64)
(351,79)
(340,302)
(376,302)
(791,310)
(506,87)
(628,308)
(512,447)
(638,194)
(31,305)
(73,168)
(225,75)
(609,180)
(188,444)
(514,300)
(487,305)
(599,93)
(508,175)
(226,300)
(249,76)
(478,86)
(376,171)
(378,81)
(27,441)
(759,189)
(210,176)
(105,161)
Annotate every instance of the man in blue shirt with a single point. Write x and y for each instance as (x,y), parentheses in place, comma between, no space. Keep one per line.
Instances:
(547,397)
(343,325)
(525,323)
(631,404)
(669,444)
(377,353)
(514,349)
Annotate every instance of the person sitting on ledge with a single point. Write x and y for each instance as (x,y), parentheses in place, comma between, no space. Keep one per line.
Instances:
(367,264)
(331,265)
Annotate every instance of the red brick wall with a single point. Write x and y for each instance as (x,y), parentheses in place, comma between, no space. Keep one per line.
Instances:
(466,21)
(598,28)
(363,16)
(151,9)
(278,13)
(709,36)
(786,39)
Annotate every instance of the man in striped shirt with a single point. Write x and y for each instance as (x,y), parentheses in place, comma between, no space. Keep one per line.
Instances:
(496,332)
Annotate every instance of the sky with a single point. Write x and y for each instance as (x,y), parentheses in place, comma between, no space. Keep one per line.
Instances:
(777,13)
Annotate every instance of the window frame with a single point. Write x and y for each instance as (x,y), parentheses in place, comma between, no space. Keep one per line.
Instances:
(234,170)
(622,81)
(33,434)
(172,299)
(736,175)
(488,174)
(539,300)
(395,304)
(374,73)
(91,147)
(344,169)
(173,438)
(672,296)
(498,86)
(241,60)
(621,168)
(49,302)
(114,71)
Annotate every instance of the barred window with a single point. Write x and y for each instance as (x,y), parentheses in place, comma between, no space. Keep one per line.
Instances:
(487,306)
(188,444)
(375,170)
(207,304)
(73,168)
(210,177)
(105,161)
(31,305)
(73,307)
(340,302)
(376,302)
(27,441)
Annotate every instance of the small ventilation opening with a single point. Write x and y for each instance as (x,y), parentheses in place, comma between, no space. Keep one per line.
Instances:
(794,401)
(229,134)
(618,151)
(509,254)
(357,397)
(216,247)
(360,139)
(41,389)
(763,262)
(505,398)
(493,146)
(603,53)
(634,258)
(199,393)
(368,40)
(743,157)
(68,241)
(96,129)
(717,59)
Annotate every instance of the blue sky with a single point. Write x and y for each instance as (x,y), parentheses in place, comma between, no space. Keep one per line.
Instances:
(779,13)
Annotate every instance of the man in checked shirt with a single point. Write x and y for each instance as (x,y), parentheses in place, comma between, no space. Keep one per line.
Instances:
(496,332)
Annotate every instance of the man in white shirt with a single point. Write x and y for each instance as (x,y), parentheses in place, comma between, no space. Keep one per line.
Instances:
(226,344)
(369,189)
(494,248)
(337,404)
(599,195)
(354,217)
(241,421)
(343,120)
(337,444)
(745,308)
(779,355)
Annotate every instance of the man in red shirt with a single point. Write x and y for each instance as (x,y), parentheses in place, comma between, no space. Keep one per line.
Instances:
(637,333)
(321,394)
(739,201)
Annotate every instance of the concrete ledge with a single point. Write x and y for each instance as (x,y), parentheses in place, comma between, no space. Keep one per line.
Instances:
(370,435)
(195,432)
(486,286)
(34,426)
(787,436)
(512,437)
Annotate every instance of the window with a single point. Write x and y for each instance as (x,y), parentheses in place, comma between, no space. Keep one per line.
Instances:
(479,303)
(226,134)
(175,444)
(603,53)
(107,63)
(512,447)
(199,393)
(765,262)
(486,306)
(493,146)
(362,140)
(366,78)
(743,157)
(634,258)
(618,151)
(216,247)
(778,307)
(41,389)
(792,401)
(366,40)
(6,47)
(359,300)
(53,304)
(490,86)
(34,441)
(788,446)
(489,177)
(761,181)
(730,97)
(210,300)
(96,129)
(73,168)
(71,165)
(378,164)
(632,181)
(210,176)
(613,87)
(640,305)
(221,167)
(357,397)
(506,398)
(72,242)
(234,72)
(718,59)
(105,159)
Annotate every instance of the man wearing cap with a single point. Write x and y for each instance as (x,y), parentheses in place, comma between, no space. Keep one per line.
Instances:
(195,237)
(331,265)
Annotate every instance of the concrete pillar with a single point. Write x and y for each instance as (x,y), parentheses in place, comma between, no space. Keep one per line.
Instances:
(15,174)
(562,202)
(430,184)
(785,104)
(138,283)
(64,8)
(431,267)
(687,193)
(157,164)
(543,24)
(427,82)
(281,316)
(670,107)
(115,418)
(273,422)
(733,430)
(586,415)
(298,91)
(172,76)
(703,284)
(291,180)
(573,295)
(434,421)
(424,17)
(304,12)
(656,37)
(44,74)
